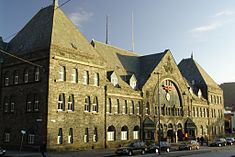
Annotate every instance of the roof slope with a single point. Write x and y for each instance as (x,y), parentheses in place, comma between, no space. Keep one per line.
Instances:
(125,62)
(147,64)
(191,70)
(51,27)
(36,34)
(122,61)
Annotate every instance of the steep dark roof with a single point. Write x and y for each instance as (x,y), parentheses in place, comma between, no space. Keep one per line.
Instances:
(191,70)
(147,64)
(36,34)
(51,27)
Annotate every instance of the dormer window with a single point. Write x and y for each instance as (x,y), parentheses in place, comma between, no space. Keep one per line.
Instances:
(133,82)
(199,93)
(114,79)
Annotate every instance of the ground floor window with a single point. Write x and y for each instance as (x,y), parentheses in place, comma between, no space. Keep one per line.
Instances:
(110,136)
(31,138)
(7,137)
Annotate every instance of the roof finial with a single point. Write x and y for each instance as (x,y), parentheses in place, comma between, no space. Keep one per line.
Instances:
(55,3)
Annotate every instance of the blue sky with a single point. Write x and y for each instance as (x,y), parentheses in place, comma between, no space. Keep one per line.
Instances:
(204,27)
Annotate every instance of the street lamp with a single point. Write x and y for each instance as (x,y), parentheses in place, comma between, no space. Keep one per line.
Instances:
(159,112)
(23,132)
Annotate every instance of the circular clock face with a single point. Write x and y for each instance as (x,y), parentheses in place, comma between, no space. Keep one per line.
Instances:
(168,96)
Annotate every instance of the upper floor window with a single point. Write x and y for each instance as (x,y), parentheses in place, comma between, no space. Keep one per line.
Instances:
(62,73)
(147,108)
(138,108)
(36,74)
(95,104)
(12,104)
(6,78)
(132,107)
(26,75)
(28,103)
(109,106)
(61,102)
(71,103)
(16,77)
(133,82)
(124,107)
(96,79)
(114,79)
(85,77)
(74,75)
(117,107)
(6,104)
(87,104)
(36,102)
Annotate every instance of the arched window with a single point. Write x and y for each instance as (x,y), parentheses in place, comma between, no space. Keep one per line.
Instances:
(95,104)
(138,108)
(95,136)
(111,134)
(86,136)
(124,107)
(71,103)
(70,137)
(124,133)
(60,136)
(61,102)
(109,106)
(117,107)
(87,104)
(136,132)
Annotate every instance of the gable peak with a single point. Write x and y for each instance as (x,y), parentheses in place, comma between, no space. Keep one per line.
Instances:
(55,3)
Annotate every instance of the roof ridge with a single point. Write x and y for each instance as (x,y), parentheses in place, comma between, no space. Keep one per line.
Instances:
(116,47)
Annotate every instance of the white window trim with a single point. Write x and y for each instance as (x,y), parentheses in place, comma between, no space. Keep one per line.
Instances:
(110,136)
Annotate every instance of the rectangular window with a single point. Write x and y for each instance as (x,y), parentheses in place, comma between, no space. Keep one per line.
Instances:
(95,104)
(85,77)
(62,74)
(31,138)
(109,107)
(74,76)
(7,137)
(12,106)
(96,79)
(26,77)
(123,135)
(110,136)
(117,107)
(61,102)
(16,79)
(71,103)
(36,74)
(28,108)
(6,81)
(138,108)
(6,106)
(135,135)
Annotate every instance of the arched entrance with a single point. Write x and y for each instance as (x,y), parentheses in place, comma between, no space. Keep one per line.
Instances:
(190,129)
(149,129)
(170,133)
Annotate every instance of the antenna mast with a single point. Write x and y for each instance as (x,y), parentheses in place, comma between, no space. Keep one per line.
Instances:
(107,30)
(132,29)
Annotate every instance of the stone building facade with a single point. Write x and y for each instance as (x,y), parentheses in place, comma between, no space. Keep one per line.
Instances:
(75,95)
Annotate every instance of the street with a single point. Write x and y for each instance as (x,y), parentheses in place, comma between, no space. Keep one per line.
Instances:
(205,151)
